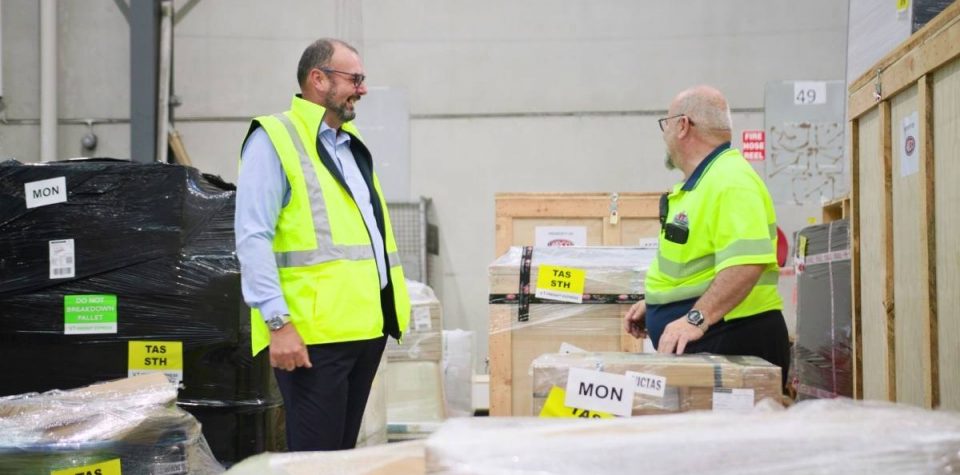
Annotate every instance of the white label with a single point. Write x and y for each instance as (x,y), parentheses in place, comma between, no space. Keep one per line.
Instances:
(737,400)
(649,243)
(649,384)
(62,259)
(558,296)
(45,192)
(421,319)
(560,236)
(910,146)
(567,348)
(599,391)
(809,92)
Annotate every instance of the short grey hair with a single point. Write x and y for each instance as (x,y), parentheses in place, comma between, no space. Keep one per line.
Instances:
(318,55)
(708,112)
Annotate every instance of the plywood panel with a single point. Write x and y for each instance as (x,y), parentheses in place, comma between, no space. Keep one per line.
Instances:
(875,352)
(634,229)
(909,295)
(946,139)
(525,229)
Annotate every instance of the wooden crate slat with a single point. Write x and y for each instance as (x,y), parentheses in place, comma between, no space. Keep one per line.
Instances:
(946,147)
(906,245)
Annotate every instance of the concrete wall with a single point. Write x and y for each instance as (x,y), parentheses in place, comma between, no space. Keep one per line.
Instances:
(504,95)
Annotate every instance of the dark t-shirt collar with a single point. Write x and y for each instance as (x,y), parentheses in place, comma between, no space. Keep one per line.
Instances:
(691,182)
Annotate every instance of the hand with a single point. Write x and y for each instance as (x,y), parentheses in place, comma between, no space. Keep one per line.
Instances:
(634,322)
(676,336)
(287,351)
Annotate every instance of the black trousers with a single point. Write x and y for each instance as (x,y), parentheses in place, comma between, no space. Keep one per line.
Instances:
(324,404)
(763,335)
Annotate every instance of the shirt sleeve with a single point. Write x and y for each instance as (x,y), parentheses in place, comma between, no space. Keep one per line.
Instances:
(262,191)
(742,233)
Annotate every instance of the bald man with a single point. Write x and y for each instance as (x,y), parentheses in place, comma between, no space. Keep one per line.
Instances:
(713,286)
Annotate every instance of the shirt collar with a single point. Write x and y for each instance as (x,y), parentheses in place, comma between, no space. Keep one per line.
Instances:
(327,134)
(691,182)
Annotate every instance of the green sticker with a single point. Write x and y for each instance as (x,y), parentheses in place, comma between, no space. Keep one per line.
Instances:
(89,314)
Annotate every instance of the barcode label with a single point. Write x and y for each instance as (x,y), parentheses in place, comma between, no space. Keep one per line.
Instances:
(62,259)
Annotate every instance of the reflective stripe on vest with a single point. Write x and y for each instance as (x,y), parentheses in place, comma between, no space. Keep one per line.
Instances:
(326,250)
(685,292)
(681,270)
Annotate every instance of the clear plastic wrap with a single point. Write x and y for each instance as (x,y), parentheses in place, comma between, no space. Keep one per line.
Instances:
(423,340)
(401,458)
(415,395)
(824,347)
(373,427)
(523,327)
(132,422)
(458,372)
(822,436)
(690,379)
(158,239)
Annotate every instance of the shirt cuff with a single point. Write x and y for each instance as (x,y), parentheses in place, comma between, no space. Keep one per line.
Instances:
(275,306)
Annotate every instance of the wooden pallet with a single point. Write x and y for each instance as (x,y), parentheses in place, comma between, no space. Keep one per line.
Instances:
(906,267)
(837,209)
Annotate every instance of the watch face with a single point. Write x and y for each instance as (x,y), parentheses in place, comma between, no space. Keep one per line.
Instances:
(695,317)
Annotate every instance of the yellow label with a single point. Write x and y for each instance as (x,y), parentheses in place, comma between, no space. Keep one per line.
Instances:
(554,407)
(156,357)
(811,220)
(110,467)
(902,5)
(561,283)
(802,247)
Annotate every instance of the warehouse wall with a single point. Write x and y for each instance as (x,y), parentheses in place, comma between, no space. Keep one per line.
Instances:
(504,95)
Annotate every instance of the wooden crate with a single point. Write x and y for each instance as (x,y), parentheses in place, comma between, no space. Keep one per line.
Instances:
(611,219)
(598,327)
(906,245)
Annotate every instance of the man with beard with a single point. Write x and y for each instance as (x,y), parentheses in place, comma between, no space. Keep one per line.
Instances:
(713,286)
(319,263)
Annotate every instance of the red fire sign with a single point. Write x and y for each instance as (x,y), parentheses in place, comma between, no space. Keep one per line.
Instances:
(754,143)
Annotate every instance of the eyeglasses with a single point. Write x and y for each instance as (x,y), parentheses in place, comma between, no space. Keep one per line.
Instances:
(357,78)
(663,121)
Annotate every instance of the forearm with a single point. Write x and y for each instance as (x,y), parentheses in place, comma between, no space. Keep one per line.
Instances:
(728,289)
(262,191)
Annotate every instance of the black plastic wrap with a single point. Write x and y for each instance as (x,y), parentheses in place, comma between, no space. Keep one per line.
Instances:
(926,10)
(824,345)
(160,238)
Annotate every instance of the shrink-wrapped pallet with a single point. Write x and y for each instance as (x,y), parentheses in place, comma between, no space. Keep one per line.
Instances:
(131,425)
(523,326)
(402,458)
(816,436)
(423,340)
(824,346)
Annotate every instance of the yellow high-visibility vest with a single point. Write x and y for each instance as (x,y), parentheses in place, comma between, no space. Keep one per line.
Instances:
(325,259)
(731,221)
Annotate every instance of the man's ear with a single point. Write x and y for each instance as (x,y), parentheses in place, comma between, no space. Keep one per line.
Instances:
(316,79)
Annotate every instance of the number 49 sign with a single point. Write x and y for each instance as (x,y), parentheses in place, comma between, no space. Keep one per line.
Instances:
(809,92)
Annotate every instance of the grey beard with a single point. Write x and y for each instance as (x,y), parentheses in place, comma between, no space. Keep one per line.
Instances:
(669,163)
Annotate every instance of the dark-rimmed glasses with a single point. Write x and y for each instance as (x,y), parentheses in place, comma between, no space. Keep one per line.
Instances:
(357,78)
(663,122)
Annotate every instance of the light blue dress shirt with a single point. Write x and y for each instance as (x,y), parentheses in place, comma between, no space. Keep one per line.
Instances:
(262,191)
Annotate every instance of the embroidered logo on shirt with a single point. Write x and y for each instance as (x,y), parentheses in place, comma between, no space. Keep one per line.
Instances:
(681,218)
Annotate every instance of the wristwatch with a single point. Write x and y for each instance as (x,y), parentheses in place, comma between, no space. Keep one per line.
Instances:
(695,318)
(277,321)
